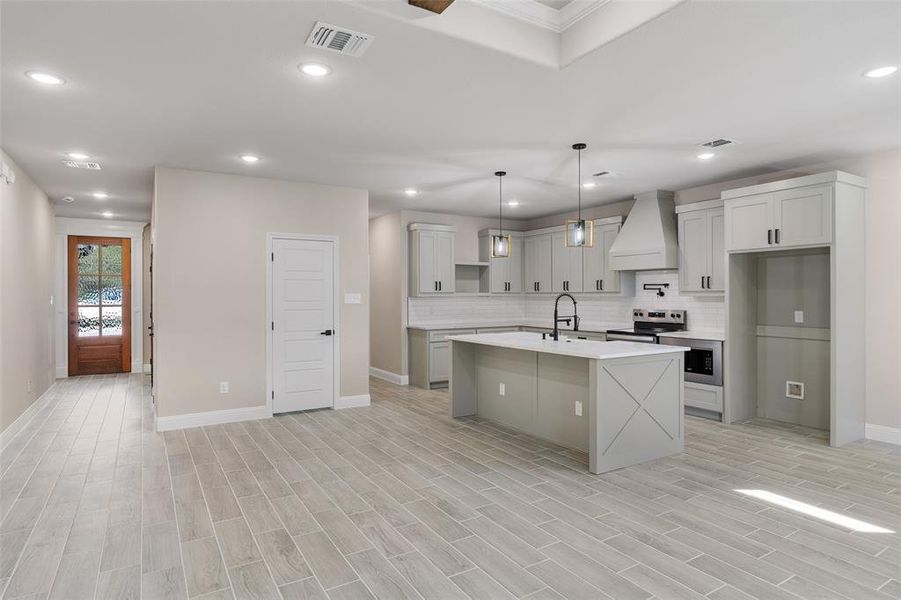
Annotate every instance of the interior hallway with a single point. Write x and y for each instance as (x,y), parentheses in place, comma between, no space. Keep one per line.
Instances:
(396,500)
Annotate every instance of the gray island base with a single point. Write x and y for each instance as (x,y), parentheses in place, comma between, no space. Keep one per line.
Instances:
(621,402)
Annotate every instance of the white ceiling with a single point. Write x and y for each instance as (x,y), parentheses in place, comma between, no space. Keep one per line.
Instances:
(193,85)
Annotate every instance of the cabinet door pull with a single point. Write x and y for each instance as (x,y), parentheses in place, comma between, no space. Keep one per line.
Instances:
(602,285)
(708,282)
(439,286)
(702,282)
(769,237)
(777,236)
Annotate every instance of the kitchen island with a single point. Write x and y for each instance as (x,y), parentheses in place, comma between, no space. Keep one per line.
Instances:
(621,402)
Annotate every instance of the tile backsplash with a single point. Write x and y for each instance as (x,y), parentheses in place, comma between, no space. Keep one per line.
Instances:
(705,313)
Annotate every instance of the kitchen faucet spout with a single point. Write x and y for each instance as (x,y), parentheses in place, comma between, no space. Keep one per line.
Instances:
(557,319)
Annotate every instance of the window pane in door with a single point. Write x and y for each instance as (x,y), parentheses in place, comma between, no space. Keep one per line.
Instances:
(112,288)
(88,258)
(111,258)
(88,289)
(89,321)
(112,320)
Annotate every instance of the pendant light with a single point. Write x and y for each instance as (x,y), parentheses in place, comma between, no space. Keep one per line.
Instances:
(579,232)
(500,242)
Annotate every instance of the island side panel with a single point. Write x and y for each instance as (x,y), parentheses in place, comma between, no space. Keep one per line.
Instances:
(462,386)
(562,382)
(636,410)
(516,371)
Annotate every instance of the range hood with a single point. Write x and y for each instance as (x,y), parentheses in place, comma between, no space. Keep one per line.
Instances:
(648,238)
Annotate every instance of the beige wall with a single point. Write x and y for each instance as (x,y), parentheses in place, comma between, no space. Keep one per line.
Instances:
(26,286)
(145,290)
(209,284)
(386,279)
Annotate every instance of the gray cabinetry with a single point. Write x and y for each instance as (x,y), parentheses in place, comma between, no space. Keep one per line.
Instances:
(702,253)
(537,267)
(779,219)
(432,268)
(566,264)
(504,274)
(597,275)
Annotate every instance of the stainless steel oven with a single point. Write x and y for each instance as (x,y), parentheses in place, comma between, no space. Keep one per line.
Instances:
(704,362)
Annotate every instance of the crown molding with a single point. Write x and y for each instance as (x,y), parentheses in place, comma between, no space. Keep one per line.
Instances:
(544,16)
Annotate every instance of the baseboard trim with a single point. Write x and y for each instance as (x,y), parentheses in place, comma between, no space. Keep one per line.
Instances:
(389,376)
(147,368)
(137,366)
(22,420)
(213,417)
(881,433)
(352,401)
(62,372)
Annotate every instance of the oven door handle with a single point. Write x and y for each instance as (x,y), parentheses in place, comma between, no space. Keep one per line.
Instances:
(645,339)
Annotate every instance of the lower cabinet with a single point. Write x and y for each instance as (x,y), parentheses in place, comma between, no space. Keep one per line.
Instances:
(703,396)
(439,361)
(429,356)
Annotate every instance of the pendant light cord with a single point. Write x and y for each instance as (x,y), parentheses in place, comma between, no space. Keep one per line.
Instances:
(500,203)
(580,185)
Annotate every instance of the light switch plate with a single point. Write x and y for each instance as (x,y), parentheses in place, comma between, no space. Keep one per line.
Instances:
(799,316)
(502,390)
(353,298)
(578,408)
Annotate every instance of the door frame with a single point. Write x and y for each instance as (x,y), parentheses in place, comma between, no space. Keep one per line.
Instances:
(133,230)
(336,286)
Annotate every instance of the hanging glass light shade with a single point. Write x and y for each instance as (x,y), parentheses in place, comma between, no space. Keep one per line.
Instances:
(500,242)
(579,232)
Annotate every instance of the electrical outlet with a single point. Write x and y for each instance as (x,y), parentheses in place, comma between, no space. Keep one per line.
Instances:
(794,389)
(223,387)
(29,385)
(578,408)
(502,389)
(799,316)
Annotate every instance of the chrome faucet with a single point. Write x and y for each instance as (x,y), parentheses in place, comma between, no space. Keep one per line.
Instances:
(557,319)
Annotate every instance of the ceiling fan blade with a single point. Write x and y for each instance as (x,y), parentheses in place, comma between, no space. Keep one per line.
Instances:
(435,6)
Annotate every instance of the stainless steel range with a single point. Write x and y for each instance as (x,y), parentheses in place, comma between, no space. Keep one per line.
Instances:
(647,324)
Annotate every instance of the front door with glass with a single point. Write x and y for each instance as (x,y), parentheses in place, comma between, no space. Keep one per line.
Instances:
(99,305)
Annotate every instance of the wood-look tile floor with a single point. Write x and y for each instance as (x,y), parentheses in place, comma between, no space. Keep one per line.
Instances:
(396,500)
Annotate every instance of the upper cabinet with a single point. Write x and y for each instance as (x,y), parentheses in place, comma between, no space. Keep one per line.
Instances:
(537,263)
(702,252)
(431,259)
(781,218)
(596,273)
(566,264)
(504,274)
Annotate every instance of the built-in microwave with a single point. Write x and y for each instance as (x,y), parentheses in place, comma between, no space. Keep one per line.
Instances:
(704,362)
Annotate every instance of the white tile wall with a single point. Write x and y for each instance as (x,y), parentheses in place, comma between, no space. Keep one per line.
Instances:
(705,313)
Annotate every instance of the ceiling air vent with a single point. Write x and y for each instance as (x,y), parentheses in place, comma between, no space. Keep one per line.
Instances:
(717,143)
(339,39)
(601,173)
(77,164)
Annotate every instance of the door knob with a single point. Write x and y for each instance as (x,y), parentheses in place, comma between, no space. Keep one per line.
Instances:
(326,332)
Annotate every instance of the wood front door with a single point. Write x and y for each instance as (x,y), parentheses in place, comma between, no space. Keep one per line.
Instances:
(99,305)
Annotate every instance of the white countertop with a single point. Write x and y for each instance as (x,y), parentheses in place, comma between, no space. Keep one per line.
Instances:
(566,347)
(717,336)
(543,324)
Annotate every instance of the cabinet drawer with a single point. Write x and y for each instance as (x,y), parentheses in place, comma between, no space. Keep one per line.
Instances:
(442,335)
(496,329)
(708,397)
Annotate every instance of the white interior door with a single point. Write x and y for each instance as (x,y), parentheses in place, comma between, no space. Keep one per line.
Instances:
(303,326)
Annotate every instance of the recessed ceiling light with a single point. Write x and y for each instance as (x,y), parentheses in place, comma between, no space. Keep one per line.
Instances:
(78,156)
(513,203)
(100,195)
(250,158)
(706,155)
(881,71)
(107,214)
(45,78)
(314,69)
(410,192)
(588,185)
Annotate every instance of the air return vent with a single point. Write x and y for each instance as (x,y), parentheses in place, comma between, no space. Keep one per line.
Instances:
(602,173)
(717,143)
(339,39)
(77,164)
